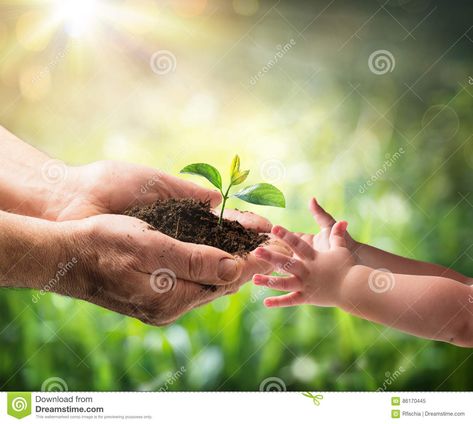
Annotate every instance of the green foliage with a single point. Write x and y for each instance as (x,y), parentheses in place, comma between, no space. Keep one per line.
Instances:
(204,170)
(258,194)
(262,194)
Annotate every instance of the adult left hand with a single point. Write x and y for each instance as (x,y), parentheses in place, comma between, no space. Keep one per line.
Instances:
(112,187)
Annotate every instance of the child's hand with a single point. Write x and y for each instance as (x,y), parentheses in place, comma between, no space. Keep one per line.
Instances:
(325,221)
(315,276)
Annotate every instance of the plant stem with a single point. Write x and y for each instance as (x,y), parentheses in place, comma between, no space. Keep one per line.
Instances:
(225,197)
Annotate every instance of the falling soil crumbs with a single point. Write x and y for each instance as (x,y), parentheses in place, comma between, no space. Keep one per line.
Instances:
(191,221)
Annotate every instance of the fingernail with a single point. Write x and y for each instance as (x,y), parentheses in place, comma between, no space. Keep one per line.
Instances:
(228,269)
(257,279)
(260,252)
(277,230)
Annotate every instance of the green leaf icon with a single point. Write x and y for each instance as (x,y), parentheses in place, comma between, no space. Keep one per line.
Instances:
(19,404)
(315,398)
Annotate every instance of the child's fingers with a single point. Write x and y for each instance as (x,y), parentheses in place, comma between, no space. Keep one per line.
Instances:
(298,246)
(278,283)
(323,218)
(283,263)
(291,299)
(337,235)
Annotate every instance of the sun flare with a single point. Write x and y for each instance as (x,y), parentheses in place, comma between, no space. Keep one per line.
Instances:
(77,16)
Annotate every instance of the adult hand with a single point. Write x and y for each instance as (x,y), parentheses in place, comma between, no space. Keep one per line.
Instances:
(33,184)
(112,187)
(49,189)
(119,263)
(125,266)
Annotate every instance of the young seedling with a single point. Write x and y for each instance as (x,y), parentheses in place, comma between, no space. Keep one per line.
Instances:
(258,194)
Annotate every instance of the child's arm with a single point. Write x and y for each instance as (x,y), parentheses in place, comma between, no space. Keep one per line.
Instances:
(432,307)
(376,258)
(427,306)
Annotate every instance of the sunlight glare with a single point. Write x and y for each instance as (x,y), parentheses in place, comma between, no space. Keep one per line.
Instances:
(78,15)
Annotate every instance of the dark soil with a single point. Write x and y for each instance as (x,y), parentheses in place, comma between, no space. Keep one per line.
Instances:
(191,221)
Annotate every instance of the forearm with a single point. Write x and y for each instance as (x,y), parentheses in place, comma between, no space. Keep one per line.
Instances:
(30,182)
(427,306)
(376,258)
(30,251)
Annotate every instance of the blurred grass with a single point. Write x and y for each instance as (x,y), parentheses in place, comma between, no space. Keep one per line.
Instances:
(327,124)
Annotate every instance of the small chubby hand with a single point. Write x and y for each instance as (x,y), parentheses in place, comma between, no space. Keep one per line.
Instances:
(311,276)
(321,240)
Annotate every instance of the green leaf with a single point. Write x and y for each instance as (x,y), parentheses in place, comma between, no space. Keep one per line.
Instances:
(235,167)
(262,194)
(204,170)
(239,177)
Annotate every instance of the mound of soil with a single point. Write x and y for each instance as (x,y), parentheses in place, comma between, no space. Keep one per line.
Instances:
(191,221)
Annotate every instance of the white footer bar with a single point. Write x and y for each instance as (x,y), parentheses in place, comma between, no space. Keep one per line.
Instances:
(236,407)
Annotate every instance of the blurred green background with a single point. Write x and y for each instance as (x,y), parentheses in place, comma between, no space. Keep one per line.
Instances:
(289,86)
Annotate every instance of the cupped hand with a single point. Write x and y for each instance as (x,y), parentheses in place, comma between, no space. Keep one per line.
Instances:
(112,187)
(106,187)
(127,267)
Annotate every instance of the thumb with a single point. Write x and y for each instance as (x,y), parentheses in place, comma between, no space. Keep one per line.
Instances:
(337,235)
(180,188)
(205,264)
(248,220)
(323,218)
